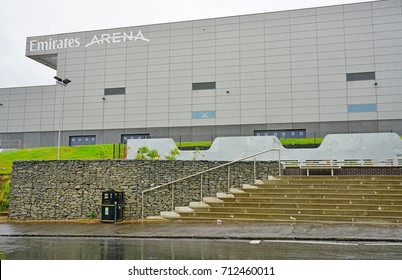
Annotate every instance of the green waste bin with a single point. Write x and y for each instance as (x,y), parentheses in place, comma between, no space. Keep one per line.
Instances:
(112,206)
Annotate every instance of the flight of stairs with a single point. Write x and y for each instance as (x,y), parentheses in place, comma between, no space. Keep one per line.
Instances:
(343,199)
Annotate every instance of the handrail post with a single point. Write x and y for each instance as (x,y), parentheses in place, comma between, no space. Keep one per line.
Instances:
(172,197)
(228,178)
(201,188)
(142,206)
(255,172)
(279,161)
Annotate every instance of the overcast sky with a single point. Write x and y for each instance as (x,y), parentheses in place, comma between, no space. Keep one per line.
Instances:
(20,19)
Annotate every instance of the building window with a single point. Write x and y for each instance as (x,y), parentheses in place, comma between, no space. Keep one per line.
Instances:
(204,86)
(362,108)
(82,140)
(362,76)
(285,133)
(125,137)
(115,91)
(204,115)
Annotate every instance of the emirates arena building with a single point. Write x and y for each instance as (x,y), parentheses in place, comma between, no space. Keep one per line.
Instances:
(299,73)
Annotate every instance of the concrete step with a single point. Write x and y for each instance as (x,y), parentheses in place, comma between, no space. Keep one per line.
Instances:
(350,196)
(304,205)
(329,181)
(363,191)
(198,204)
(330,187)
(292,218)
(323,178)
(332,184)
(295,211)
(170,215)
(372,199)
(296,200)
(184,209)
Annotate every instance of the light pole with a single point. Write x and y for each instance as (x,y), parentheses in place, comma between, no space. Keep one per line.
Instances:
(64,83)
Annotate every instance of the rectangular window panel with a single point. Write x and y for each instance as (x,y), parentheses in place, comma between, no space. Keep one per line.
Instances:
(204,115)
(125,137)
(362,108)
(362,76)
(285,133)
(204,86)
(82,140)
(115,91)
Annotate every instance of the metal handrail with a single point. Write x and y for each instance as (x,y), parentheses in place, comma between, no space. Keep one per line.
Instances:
(209,170)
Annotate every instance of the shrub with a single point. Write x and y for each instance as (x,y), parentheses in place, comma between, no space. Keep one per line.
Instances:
(142,153)
(173,153)
(4,196)
(196,153)
(145,153)
(153,154)
(92,214)
(102,152)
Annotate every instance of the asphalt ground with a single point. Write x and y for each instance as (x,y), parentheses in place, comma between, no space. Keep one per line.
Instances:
(203,230)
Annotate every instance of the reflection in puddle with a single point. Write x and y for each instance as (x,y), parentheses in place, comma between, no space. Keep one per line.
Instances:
(186,249)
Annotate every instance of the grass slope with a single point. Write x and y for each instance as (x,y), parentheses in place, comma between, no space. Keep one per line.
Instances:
(50,153)
(93,152)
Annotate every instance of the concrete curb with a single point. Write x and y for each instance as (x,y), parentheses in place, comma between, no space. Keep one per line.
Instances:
(202,237)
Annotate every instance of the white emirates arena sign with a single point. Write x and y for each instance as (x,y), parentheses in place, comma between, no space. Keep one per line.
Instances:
(66,43)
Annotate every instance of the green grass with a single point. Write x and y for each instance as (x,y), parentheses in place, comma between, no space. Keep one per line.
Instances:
(194,144)
(301,141)
(50,153)
(4,193)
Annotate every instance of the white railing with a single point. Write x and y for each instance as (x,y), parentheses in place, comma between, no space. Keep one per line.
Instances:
(343,163)
(209,170)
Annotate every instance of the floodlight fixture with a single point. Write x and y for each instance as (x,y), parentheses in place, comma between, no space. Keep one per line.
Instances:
(61,81)
(66,81)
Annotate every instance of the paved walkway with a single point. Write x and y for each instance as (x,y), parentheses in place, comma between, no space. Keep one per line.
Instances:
(250,231)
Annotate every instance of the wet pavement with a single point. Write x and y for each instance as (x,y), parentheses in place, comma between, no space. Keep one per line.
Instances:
(60,248)
(189,241)
(197,230)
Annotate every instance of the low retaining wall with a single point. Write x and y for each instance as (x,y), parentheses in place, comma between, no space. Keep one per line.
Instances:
(73,189)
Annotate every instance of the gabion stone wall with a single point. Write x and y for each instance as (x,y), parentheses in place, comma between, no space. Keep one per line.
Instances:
(73,189)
